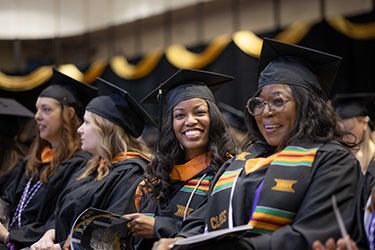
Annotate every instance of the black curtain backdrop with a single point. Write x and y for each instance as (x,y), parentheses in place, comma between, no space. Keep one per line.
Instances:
(357,72)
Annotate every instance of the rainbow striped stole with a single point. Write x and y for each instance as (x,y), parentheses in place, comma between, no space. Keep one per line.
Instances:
(226,180)
(272,214)
(267,219)
(295,156)
(203,187)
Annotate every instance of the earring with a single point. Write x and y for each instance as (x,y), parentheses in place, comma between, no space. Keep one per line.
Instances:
(182,147)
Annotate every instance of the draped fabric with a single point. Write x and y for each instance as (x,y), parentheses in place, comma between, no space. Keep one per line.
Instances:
(353,38)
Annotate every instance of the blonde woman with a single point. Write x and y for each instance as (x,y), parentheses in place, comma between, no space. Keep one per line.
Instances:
(111,125)
(55,157)
(354,111)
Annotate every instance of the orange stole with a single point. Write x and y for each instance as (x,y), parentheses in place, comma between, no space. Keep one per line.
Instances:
(47,154)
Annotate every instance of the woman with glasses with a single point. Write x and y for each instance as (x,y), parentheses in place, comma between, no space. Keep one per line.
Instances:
(296,159)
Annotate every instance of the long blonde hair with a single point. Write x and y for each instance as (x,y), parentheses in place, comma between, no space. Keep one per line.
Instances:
(70,142)
(112,140)
(367,148)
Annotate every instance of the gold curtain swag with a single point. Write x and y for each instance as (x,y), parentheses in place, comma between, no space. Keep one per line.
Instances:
(352,30)
(248,42)
(122,68)
(294,33)
(26,82)
(72,71)
(180,57)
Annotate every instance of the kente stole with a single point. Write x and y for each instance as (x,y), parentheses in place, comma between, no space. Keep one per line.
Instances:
(283,187)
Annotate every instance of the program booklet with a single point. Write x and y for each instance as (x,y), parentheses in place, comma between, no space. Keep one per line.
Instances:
(96,229)
(203,241)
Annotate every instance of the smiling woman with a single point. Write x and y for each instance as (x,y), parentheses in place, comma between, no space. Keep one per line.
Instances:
(295,160)
(194,143)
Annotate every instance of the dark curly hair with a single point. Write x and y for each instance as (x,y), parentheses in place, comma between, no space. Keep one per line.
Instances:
(220,143)
(316,121)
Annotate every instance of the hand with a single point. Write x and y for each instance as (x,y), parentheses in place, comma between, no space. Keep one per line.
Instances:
(67,244)
(46,242)
(332,245)
(141,225)
(52,246)
(3,233)
(164,244)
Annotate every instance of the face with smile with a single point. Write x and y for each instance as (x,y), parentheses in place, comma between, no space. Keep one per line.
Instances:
(49,119)
(191,126)
(274,126)
(89,134)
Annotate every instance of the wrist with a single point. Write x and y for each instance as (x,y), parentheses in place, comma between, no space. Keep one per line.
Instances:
(6,238)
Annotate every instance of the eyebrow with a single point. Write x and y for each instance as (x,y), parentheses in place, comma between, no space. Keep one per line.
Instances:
(275,93)
(195,107)
(42,106)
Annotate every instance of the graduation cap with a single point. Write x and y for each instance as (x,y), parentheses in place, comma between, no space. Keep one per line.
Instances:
(120,108)
(235,117)
(183,85)
(296,65)
(10,112)
(186,84)
(354,105)
(69,92)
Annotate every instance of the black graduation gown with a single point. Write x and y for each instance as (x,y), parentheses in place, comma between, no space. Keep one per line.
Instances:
(8,187)
(169,219)
(42,205)
(359,235)
(115,193)
(334,170)
(12,178)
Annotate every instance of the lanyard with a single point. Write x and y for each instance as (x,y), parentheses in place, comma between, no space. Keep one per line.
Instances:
(26,197)
(191,195)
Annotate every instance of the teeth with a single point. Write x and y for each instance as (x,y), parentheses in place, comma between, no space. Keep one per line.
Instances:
(272,126)
(192,132)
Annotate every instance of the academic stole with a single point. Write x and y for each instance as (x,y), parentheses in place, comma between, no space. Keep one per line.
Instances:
(284,188)
(279,195)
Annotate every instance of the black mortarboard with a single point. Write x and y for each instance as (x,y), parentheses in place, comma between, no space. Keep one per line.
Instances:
(183,85)
(354,104)
(186,84)
(69,91)
(296,65)
(120,108)
(235,117)
(10,111)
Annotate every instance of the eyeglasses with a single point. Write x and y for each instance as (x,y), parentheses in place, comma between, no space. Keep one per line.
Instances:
(276,103)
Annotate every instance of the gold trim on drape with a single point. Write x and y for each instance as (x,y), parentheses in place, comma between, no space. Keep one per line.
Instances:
(180,57)
(27,82)
(248,42)
(122,68)
(95,70)
(294,33)
(353,30)
(71,70)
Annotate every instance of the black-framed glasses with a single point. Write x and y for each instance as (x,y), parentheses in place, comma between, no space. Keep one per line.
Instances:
(276,103)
